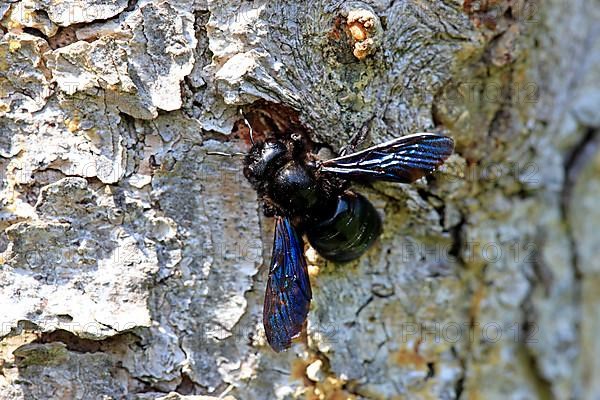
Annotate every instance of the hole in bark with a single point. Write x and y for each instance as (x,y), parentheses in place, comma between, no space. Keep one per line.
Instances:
(131,5)
(457,240)
(186,387)
(64,37)
(270,120)
(34,32)
(64,318)
(81,345)
(430,370)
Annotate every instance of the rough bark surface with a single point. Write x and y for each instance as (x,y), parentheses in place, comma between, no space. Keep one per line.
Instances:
(132,262)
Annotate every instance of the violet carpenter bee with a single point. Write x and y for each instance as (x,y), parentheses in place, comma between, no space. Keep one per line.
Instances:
(312,197)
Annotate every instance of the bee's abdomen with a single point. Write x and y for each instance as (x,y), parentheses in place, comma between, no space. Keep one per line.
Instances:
(350,232)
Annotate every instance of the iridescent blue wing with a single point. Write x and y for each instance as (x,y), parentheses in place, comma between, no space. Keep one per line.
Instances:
(404,159)
(288,294)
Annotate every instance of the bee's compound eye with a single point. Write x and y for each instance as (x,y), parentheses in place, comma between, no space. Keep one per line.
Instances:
(349,232)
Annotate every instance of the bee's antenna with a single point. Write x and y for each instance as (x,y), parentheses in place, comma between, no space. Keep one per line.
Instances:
(248,125)
(223,154)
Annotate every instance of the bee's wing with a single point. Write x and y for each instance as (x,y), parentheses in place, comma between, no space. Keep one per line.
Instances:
(288,294)
(404,159)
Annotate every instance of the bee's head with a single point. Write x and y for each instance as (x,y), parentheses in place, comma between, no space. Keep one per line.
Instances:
(264,159)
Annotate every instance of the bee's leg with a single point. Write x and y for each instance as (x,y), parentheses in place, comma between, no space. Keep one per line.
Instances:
(269,208)
(357,139)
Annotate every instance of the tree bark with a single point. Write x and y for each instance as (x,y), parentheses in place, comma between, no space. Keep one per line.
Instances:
(133,263)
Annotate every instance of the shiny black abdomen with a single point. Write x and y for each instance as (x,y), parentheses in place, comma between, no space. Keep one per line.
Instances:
(350,232)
